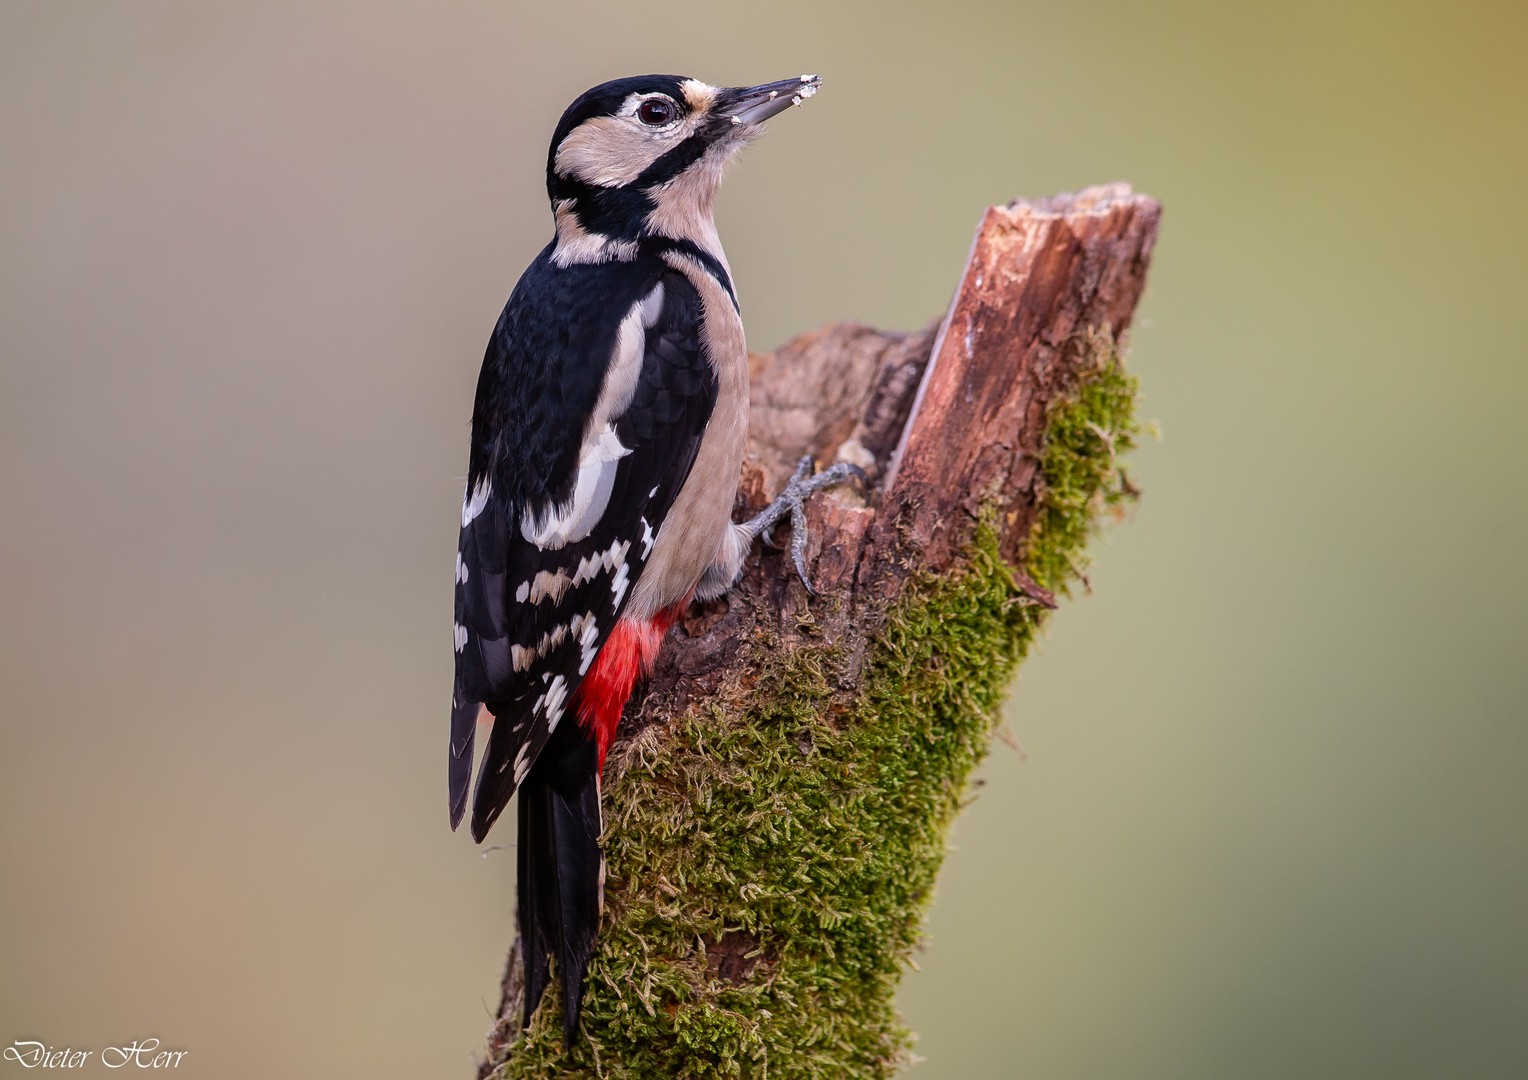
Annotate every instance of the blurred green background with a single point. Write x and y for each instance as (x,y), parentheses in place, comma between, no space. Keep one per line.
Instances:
(1273,819)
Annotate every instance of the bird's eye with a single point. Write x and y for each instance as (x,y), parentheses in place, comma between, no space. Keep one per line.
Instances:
(656,111)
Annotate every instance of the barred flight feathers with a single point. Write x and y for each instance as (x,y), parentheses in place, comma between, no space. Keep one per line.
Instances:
(589,415)
(608,431)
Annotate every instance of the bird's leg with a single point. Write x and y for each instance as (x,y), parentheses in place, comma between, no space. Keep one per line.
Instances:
(793,499)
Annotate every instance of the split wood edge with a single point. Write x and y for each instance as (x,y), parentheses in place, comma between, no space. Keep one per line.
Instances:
(949,421)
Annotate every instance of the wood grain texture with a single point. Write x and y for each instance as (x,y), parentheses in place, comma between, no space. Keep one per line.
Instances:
(948,421)
(940,439)
(1040,274)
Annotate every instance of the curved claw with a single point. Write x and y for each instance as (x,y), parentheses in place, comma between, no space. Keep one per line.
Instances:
(798,543)
(794,494)
(802,484)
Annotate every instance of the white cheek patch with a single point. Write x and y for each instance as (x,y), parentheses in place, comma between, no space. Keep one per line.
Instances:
(612,151)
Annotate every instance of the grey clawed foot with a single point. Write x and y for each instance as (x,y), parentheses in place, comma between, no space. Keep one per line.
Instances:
(793,498)
(775,510)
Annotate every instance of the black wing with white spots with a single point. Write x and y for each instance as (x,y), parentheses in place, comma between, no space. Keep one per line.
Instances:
(558,520)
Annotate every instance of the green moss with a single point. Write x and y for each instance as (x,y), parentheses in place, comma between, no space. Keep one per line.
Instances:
(1086,435)
(809,826)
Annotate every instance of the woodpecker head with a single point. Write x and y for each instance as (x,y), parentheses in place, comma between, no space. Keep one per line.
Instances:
(643,156)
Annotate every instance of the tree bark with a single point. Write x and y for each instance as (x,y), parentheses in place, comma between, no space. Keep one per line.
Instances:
(779,798)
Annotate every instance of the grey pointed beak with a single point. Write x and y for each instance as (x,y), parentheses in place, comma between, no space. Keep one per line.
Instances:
(755,104)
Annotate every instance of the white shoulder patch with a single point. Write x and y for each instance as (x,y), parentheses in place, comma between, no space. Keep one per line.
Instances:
(601,449)
(576,519)
(626,360)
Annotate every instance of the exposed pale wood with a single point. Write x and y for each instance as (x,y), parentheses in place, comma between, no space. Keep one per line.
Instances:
(939,438)
(1040,273)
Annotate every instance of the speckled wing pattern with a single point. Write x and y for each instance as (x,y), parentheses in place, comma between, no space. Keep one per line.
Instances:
(530,619)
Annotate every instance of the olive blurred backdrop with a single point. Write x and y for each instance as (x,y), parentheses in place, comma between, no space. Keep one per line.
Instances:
(1273,819)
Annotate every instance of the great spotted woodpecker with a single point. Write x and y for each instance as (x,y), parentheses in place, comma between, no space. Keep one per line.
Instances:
(607,439)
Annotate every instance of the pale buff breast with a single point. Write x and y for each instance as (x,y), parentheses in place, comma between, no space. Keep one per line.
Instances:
(698,522)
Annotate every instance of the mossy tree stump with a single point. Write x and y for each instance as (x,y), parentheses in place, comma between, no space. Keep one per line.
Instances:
(780,796)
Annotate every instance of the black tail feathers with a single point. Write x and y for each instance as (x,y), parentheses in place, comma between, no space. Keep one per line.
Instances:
(464,714)
(561,869)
